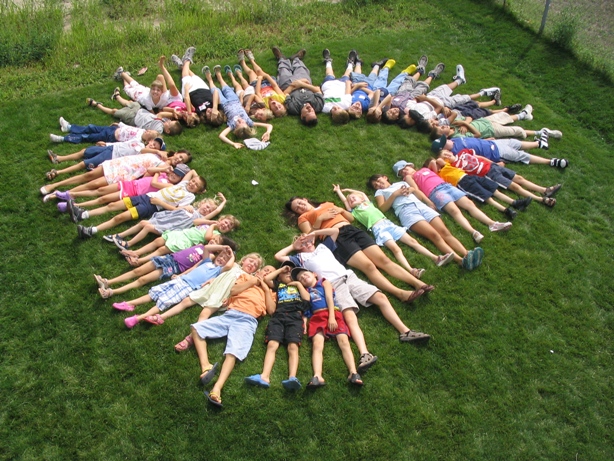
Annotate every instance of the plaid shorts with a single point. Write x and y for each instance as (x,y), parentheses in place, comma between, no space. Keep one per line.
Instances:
(170,293)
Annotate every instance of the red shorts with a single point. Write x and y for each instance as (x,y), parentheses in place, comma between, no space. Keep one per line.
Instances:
(319,323)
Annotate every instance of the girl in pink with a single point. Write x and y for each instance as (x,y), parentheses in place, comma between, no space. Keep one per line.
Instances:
(440,195)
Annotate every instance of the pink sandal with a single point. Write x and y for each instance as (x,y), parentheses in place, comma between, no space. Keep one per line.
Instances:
(184,344)
(154,319)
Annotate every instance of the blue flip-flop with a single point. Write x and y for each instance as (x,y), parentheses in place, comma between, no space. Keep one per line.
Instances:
(256,380)
(478,255)
(208,376)
(291,384)
(212,401)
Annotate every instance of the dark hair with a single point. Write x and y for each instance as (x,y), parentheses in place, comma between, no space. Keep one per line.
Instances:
(373,178)
(423,126)
(404,123)
(385,118)
(181,151)
(310,123)
(426,162)
(290,215)
(230,242)
(434,134)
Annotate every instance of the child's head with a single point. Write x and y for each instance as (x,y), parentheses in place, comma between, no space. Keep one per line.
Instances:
(251,262)
(340,116)
(447,155)
(355,110)
(206,206)
(150,135)
(439,131)
(308,115)
(178,173)
(442,143)
(307,278)
(277,108)
(378,182)
(403,168)
(158,143)
(197,185)
(172,127)
(390,115)
(222,258)
(243,130)
(413,117)
(355,199)
(216,120)
(156,89)
(227,223)
(423,126)
(374,115)
(180,156)
(262,114)
(285,276)
(307,243)
(266,270)
(191,119)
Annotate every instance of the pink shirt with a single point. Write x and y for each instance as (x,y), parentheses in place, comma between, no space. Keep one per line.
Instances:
(426,180)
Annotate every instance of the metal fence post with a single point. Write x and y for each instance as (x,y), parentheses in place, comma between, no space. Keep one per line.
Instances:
(544,17)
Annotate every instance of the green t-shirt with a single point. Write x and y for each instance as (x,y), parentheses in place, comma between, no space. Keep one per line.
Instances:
(367,214)
(481,124)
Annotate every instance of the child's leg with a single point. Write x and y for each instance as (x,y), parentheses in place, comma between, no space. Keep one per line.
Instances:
(100,106)
(382,302)
(453,210)
(453,243)
(148,277)
(398,254)
(431,232)
(153,311)
(227,367)
(146,228)
(75,156)
(220,79)
(116,220)
(159,252)
(251,75)
(178,308)
(349,316)
(138,272)
(501,196)
(134,229)
(139,301)
(363,263)
(269,360)
(108,189)
(79,179)
(317,356)
(417,247)
(520,184)
(484,104)
(123,101)
(109,198)
(170,83)
(383,262)
(151,246)
(348,69)
(93,183)
(77,167)
(293,358)
(467,204)
(200,345)
(237,87)
(114,206)
(244,83)
(185,69)
(346,352)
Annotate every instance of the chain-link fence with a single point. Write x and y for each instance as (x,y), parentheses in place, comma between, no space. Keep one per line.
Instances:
(584,26)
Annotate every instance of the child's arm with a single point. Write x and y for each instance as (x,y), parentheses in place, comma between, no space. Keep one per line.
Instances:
(224,138)
(303,83)
(164,204)
(423,98)
(268,299)
(218,210)
(159,153)
(337,189)
(210,229)
(201,221)
(269,278)
(266,136)
(273,83)
(186,98)
(159,169)
(348,87)
(384,102)
(375,98)
(231,260)
(301,289)
(384,204)
(157,184)
(214,105)
(240,287)
(359,86)
(328,293)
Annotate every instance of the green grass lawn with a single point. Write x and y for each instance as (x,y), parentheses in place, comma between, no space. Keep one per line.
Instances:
(520,364)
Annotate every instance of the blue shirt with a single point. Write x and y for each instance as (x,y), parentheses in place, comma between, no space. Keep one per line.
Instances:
(486,149)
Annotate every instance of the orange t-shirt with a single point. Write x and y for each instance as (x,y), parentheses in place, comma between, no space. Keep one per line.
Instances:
(251,301)
(312,216)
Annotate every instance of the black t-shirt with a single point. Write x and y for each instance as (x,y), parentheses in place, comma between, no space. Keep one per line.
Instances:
(201,100)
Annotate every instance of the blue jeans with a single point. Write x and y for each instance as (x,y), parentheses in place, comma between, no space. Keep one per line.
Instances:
(91,133)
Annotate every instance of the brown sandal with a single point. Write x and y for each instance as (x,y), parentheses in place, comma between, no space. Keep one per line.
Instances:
(414,295)
(51,175)
(549,202)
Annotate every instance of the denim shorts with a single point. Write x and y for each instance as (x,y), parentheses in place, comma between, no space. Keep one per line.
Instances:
(385,230)
(412,213)
(167,264)
(444,194)
(238,327)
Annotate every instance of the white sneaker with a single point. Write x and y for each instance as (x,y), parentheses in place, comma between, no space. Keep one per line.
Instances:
(490,92)
(556,134)
(56,138)
(528,112)
(460,75)
(499,226)
(64,125)
(477,237)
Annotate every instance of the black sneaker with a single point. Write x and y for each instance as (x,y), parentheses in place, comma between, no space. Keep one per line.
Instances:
(351,57)
(559,163)
(497,97)
(513,109)
(381,63)
(522,204)
(84,232)
(509,213)
(76,213)
(542,142)
(326,55)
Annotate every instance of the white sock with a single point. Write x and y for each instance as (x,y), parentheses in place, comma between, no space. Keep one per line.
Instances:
(350,67)
(85,215)
(94,230)
(329,65)
(522,115)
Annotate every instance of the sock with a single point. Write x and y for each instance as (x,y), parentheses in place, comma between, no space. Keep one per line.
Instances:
(94,230)
(481,92)
(350,67)
(85,215)
(329,64)
(522,115)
